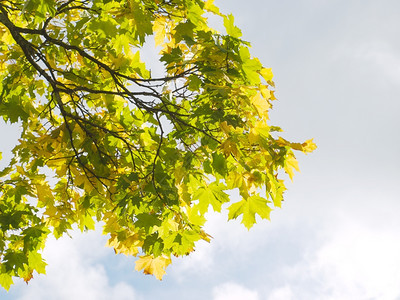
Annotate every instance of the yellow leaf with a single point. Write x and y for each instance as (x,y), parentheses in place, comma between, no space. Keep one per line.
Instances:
(83,182)
(229,147)
(260,129)
(209,6)
(44,193)
(7,38)
(159,31)
(309,146)
(60,165)
(129,246)
(225,127)
(27,275)
(51,211)
(65,99)
(20,170)
(276,188)
(37,263)
(273,95)
(6,281)
(111,224)
(282,142)
(205,236)
(261,105)
(306,147)
(290,164)
(266,73)
(86,220)
(153,266)
(265,92)
(253,136)
(179,173)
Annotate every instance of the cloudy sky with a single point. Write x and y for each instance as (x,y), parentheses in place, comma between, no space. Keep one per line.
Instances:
(337,71)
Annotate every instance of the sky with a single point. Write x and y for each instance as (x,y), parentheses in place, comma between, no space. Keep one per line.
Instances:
(337,73)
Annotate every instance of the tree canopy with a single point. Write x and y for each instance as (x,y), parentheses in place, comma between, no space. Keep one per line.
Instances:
(103,140)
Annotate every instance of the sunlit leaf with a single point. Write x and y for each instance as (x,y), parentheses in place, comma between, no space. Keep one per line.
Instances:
(154,266)
(143,152)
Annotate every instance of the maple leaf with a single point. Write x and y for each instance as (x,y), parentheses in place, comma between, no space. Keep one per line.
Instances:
(36,262)
(267,74)
(44,193)
(231,29)
(248,208)
(213,195)
(28,276)
(153,266)
(105,141)
(6,280)
(291,164)
(159,30)
(308,146)
(261,105)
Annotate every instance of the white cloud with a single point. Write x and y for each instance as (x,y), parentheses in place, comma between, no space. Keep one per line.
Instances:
(282,293)
(228,239)
(357,256)
(382,58)
(360,262)
(354,261)
(199,261)
(74,272)
(233,291)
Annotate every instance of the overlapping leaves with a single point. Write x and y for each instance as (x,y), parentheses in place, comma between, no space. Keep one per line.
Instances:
(103,140)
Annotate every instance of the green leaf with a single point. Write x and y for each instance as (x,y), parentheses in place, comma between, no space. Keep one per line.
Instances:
(184,31)
(195,12)
(219,164)
(15,261)
(147,221)
(213,195)
(231,29)
(13,111)
(37,263)
(103,140)
(194,83)
(6,280)
(249,208)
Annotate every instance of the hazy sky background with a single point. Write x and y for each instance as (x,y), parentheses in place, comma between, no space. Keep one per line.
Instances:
(337,72)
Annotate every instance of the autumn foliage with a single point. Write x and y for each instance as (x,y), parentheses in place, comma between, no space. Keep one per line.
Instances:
(105,141)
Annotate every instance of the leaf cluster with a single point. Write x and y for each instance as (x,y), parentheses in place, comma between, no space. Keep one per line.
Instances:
(104,141)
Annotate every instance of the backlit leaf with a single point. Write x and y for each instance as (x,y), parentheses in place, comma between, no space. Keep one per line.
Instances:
(248,208)
(154,266)
(6,280)
(105,141)
(231,29)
